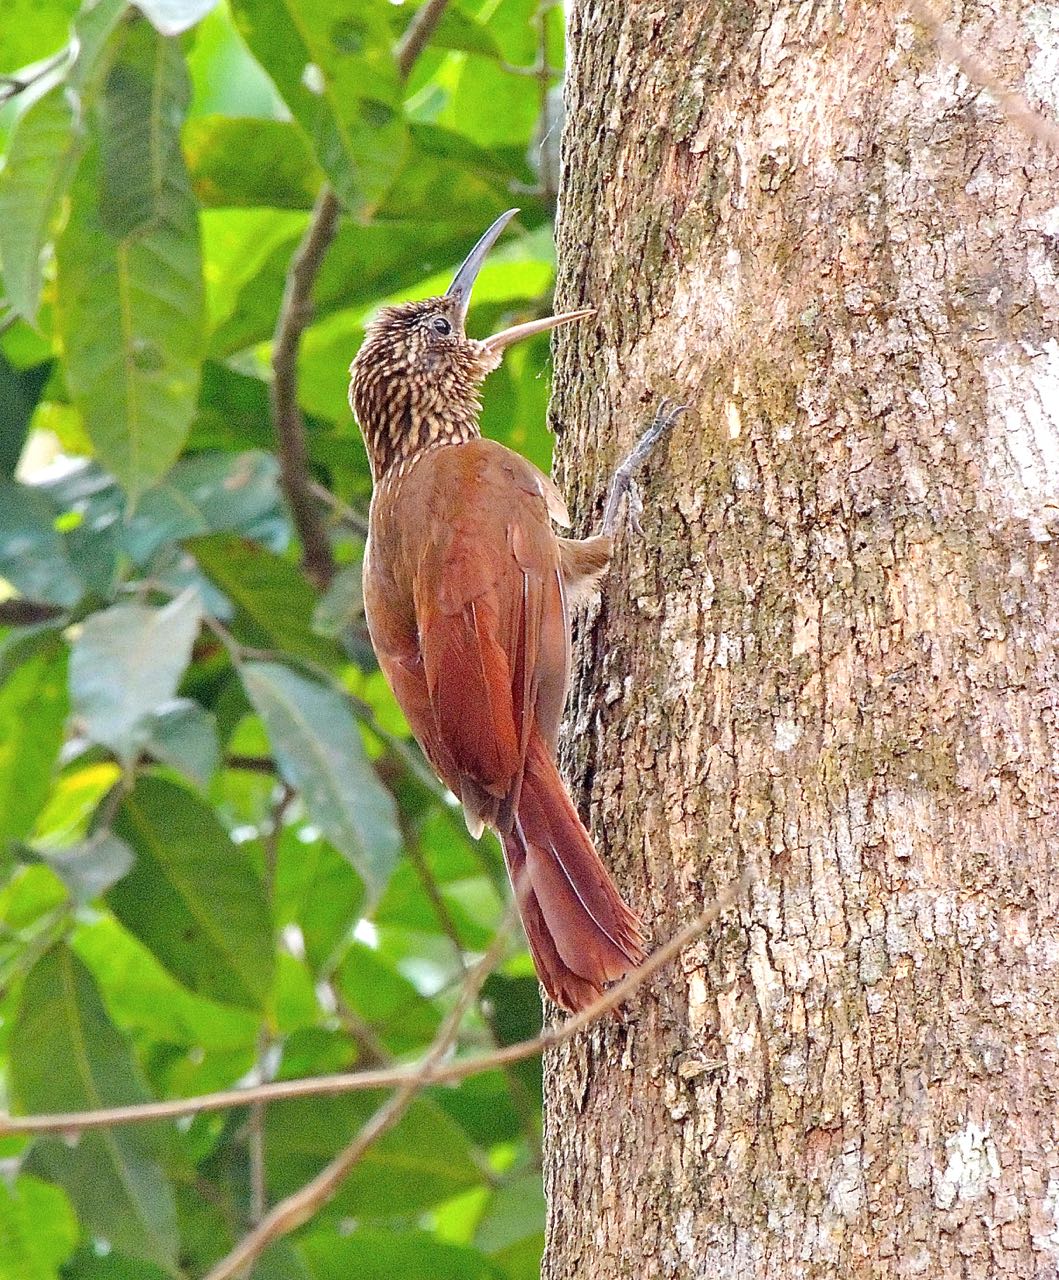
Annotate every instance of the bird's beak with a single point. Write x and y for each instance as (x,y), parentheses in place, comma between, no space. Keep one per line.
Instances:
(463,283)
(499,342)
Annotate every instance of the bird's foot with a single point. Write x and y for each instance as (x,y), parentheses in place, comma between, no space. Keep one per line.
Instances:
(623,485)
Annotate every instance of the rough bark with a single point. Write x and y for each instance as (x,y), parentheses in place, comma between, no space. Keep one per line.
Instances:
(832,656)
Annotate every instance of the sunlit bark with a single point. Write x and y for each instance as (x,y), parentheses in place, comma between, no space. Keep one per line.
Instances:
(832,657)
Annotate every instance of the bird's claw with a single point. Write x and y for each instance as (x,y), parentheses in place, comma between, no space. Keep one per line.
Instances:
(634,508)
(624,482)
(667,415)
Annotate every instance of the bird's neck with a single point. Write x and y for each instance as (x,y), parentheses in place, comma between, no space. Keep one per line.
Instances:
(410,421)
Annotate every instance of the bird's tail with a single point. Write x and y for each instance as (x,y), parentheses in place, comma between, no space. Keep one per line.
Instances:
(581,933)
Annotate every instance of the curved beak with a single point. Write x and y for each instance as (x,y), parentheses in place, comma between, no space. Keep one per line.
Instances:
(463,283)
(463,280)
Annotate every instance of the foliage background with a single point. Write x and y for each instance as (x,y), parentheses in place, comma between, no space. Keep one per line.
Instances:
(222,859)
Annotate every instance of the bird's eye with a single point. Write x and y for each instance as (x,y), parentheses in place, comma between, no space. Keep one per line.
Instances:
(440,325)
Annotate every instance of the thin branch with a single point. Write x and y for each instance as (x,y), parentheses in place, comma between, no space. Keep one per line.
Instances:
(423,1073)
(429,882)
(12,86)
(417,36)
(348,515)
(523,1104)
(299,1207)
(250,764)
(1013,105)
(256,1119)
(294,316)
(26,613)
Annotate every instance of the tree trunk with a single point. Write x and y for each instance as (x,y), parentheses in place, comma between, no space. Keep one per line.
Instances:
(831,658)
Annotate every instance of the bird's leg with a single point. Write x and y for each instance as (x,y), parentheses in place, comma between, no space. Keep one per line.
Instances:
(584,560)
(623,485)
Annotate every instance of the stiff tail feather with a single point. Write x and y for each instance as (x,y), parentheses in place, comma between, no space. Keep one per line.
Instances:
(580,932)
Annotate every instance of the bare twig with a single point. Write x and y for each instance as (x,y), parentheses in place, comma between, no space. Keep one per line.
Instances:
(417,35)
(423,1073)
(348,515)
(294,315)
(432,889)
(256,1119)
(12,86)
(250,764)
(303,1203)
(1013,105)
(26,613)
(523,1104)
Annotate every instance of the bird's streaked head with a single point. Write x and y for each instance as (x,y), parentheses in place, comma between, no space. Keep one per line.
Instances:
(414,382)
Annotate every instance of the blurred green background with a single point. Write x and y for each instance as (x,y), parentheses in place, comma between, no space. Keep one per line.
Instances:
(222,859)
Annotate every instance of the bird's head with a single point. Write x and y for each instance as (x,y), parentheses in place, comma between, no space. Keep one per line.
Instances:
(414,382)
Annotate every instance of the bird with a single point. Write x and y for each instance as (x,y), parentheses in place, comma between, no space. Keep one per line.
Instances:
(468,594)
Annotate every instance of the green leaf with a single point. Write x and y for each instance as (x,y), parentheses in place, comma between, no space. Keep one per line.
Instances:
(32,715)
(386,1000)
(282,1262)
(34,556)
(129,307)
(489,104)
(93,27)
(275,166)
(471,183)
(48,142)
(482,1105)
(38,1230)
(316,889)
(171,17)
(31,31)
(227,79)
(88,1265)
(148,999)
(19,393)
(183,735)
(193,898)
(66,1055)
(389,1255)
(512,1227)
(71,806)
(367,264)
(424,1160)
(19,646)
(40,164)
(207,493)
(276,603)
(87,868)
(126,664)
(89,508)
(333,63)
(319,750)
(143,97)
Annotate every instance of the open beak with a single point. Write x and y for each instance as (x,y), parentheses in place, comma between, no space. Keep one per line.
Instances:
(463,283)
(502,340)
